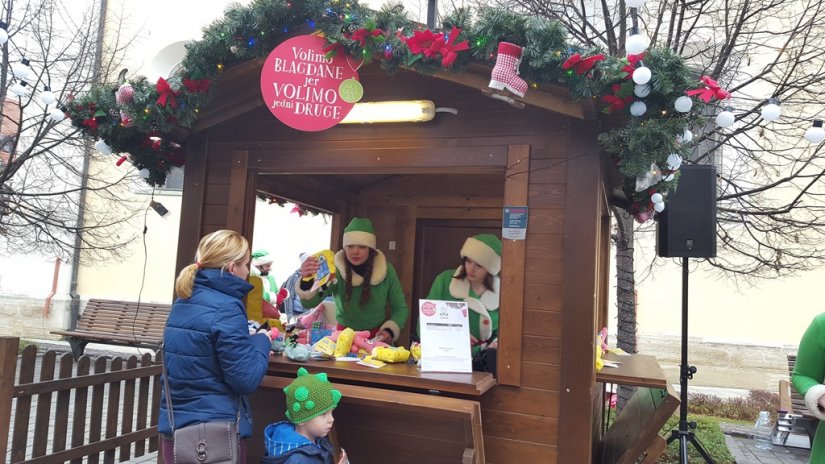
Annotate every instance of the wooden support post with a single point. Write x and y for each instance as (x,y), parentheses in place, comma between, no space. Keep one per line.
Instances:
(8,370)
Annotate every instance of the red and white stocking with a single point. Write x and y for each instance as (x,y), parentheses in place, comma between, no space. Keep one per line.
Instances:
(505,73)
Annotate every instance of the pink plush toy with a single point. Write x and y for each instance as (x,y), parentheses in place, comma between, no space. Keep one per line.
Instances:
(361,341)
(317,314)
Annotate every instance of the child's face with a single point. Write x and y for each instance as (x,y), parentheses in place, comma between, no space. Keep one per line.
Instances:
(319,426)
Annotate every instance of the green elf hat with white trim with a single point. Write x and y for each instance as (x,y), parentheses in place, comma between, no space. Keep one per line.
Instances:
(261,257)
(360,232)
(485,249)
(309,396)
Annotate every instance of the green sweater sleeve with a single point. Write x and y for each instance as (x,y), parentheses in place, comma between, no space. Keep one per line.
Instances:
(400,313)
(310,299)
(810,359)
(440,289)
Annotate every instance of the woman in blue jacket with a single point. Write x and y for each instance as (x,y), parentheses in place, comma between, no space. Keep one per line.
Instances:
(212,362)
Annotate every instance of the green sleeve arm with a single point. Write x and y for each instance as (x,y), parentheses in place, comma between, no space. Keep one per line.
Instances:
(810,359)
(311,299)
(439,288)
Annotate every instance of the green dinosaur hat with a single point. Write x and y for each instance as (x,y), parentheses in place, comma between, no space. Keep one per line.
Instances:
(360,232)
(485,249)
(309,396)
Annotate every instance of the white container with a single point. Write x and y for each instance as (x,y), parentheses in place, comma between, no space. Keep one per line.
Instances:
(762,431)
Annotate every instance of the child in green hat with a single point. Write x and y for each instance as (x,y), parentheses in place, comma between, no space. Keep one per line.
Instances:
(310,400)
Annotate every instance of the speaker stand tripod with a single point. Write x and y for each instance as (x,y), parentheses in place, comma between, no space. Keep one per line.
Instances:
(685,431)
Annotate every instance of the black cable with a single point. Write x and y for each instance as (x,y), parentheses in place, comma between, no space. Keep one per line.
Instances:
(143,276)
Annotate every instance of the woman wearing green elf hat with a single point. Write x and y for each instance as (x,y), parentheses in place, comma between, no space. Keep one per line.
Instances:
(475,281)
(366,283)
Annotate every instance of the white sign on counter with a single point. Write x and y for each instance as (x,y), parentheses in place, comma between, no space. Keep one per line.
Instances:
(445,336)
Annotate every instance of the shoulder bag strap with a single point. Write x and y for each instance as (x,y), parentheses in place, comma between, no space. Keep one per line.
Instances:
(166,389)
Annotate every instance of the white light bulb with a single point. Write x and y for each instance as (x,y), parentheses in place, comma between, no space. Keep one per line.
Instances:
(634,3)
(669,177)
(683,104)
(144,173)
(674,161)
(641,91)
(658,207)
(657,198)
(636,43)
(815,133)
(57,115)
(641,75)
(686,136)
(47,96)
(4,36)
(19,89)
(638,108)
(771,111)
(21,70)
(725,118)
(103,148)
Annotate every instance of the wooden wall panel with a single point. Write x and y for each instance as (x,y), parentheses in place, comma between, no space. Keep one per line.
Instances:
(542,323)
(540,375)
(542,297)
(520,400)
(505,451)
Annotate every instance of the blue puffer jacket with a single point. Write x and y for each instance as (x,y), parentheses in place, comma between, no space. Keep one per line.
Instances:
(210,357)
(286,446)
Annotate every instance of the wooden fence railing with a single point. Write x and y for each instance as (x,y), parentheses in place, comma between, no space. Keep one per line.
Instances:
(80,409)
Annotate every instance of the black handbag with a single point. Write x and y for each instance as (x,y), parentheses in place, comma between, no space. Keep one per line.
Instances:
(213,442)
(486,360)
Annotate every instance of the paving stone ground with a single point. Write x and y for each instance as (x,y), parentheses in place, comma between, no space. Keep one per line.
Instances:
(742,447)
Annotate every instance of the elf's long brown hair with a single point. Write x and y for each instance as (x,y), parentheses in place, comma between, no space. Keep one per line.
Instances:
(462,274)
(366,286)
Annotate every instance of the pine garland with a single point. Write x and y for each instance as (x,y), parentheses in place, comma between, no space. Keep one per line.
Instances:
(144,126)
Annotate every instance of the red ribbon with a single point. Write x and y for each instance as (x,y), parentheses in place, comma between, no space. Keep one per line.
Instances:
(582,65)
(121,160)
(711,90)
(197,85)
(167,95)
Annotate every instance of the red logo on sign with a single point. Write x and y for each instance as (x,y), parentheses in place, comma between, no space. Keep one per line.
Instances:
(428,309)
(300,85)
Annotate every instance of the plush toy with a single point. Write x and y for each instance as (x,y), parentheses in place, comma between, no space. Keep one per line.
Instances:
(298,352)
(350,341)
(391,354)
(326,273)
(343,341)
(415,351)
(321,316)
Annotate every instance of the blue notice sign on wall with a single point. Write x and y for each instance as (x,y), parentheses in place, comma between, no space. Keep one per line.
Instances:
(514,225)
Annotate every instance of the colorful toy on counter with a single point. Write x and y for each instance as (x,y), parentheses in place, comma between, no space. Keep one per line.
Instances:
(353,342)
(326,273)
(391,354)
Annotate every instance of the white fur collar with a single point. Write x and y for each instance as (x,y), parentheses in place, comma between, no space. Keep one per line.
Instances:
(379,268)
(460,288)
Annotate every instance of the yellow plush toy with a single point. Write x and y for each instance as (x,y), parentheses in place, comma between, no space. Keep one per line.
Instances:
(344,342)
(326,273)
(415,350)
(391,354)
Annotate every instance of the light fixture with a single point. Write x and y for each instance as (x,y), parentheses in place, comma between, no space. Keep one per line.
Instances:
(815,133)
(47,96)
(4,33)
(771,111)
(635,3)
(641,91)
(726,117)
(103,147)
(57,115)
(641,75)
(391,111)
(159,208)
(19,89)
(21,70)
(683,104)
(636,43)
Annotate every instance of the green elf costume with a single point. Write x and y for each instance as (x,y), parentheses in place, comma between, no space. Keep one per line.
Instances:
(385,288)
(484,249)
(261,258)
(808,375)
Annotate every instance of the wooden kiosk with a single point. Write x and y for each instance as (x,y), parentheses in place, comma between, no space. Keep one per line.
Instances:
(427,186)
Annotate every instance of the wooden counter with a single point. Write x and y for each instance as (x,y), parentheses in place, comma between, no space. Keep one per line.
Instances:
(639,370)
(398,375)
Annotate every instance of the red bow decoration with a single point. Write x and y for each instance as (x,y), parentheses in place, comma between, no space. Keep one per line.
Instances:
(616,103)
(167,95)
(711,90)
(361,35)
(582,65)
(197,85)
(91,123)
(422,42)
(448,49)
(632,60)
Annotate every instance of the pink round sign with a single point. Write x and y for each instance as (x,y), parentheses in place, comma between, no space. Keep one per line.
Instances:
(300,84)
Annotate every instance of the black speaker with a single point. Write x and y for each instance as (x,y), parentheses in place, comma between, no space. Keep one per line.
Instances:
(687,226)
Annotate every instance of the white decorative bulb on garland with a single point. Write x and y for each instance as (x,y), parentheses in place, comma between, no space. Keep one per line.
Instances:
(21,69)
(771,111)
(636,43)
(4,33)
(815,134)
(683,104)
(102,147)
(726,117)
(19,89)
(657,198)
(634,3)
(641,91)
(658,207)
(674,161)
(686,136)
(641,75)
(46,96)
(57,115)
(144,173)
(638,108)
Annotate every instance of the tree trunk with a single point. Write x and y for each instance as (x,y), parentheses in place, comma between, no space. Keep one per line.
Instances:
(625,293)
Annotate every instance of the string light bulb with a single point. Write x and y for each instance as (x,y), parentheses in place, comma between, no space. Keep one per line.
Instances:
(4,32)
(771,111)
(815,134)
(21,69)
(47,97)
(634,3)
(19,89)
(636,43)
(725,118)
(57,115)
(683,104)
(642,74)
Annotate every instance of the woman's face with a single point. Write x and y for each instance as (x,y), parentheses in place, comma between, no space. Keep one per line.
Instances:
(240,269)
(475,273)
(357,254)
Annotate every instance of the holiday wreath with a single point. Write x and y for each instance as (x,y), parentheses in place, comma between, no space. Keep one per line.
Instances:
(138,119)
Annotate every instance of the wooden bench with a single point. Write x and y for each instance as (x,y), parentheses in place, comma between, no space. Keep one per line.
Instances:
(794,403)
(117,323)
(376,425)
(635,434)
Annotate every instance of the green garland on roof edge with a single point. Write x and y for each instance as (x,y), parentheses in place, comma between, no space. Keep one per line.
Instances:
(143,127)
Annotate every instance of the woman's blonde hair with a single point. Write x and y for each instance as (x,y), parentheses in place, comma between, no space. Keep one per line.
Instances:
(215,251)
